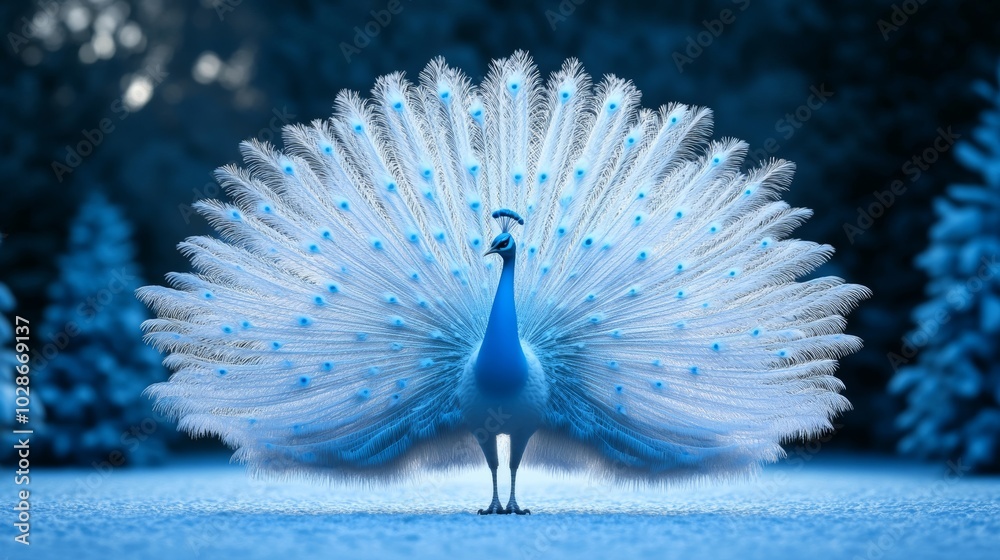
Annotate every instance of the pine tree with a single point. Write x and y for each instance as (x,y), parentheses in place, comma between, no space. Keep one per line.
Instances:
(93,365)
(952,386)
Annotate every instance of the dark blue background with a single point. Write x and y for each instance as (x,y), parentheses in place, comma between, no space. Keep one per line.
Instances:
(895,85)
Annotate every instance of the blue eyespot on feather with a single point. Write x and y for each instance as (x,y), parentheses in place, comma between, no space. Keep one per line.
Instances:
(637,249)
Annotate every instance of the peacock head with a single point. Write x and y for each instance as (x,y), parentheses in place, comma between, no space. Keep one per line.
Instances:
(503,244)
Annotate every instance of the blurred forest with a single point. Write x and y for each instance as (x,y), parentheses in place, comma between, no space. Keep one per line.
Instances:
(129,105)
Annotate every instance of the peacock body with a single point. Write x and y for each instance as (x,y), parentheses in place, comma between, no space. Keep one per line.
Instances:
(354,320)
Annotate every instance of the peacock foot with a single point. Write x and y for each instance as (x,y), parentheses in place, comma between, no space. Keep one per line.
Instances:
(495,507)
(512,508)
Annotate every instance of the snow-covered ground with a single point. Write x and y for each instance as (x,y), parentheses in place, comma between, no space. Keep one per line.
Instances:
(845,507)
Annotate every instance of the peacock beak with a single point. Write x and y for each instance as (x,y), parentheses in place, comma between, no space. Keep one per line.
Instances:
(491,251)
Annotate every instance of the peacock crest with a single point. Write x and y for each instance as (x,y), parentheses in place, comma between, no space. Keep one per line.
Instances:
(353,320)
(507,219)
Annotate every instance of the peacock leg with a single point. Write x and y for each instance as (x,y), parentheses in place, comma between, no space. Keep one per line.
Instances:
(517,444)
(490,451)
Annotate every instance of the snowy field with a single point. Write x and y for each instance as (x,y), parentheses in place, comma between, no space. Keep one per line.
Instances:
(844,507)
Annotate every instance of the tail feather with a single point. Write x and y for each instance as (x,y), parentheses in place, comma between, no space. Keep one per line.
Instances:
(670,299)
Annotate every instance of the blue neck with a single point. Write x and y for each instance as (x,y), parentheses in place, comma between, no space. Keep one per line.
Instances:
(501,368)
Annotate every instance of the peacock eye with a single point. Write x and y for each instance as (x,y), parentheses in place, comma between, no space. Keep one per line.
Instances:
(503,244)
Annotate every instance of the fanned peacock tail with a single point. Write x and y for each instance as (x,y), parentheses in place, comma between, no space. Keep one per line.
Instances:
(326,330)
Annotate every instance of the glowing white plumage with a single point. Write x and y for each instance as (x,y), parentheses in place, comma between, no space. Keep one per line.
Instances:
(336,327)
